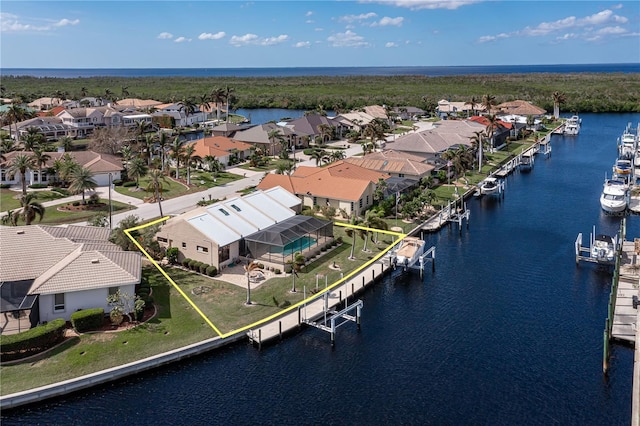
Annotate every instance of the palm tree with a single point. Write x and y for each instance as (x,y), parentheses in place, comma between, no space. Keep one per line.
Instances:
(188,105)
(20,164)
(65,167)
(472,102)
(317,155)
(155,186)
(274,135)
(15,114)
(490,131)
(32,139)
(82,180)
(188,158)
(285,167)
(352,232)
(163,146)
(212,164)
(337,154)
(66,143)
(217,96)
(558,98)
(367,147)
(204,103)
(136,169)
(372,219)
(488,102)
(326,132)
(109,95)
(84,92)
(228,95)
(476,143)
(177,151)
(124,90)
(40,159)
(30,208)
(249,267)
(149,143)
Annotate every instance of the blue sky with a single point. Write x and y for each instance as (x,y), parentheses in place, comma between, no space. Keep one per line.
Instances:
(238,34)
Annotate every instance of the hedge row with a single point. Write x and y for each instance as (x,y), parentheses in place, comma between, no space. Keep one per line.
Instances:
(87,319)
(200,267)
(33,341)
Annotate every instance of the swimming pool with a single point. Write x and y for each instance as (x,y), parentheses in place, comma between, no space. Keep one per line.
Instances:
(297,245)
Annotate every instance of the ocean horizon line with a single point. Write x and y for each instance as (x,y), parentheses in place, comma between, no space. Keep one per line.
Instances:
(430,70)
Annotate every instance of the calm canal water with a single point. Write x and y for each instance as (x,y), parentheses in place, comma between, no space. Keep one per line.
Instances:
(507,331)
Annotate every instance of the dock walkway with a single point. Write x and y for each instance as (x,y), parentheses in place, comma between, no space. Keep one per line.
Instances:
(625,315)
(341,292)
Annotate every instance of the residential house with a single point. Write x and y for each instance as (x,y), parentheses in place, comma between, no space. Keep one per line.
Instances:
(177,112)
(341,185)
(49,272)
(354,120)
(260,136)
(46,103)
(394,163)
(501,130)
(409,112)
(52,128)
(430,143)
(101,165)
(222,148)
(83,121)
(520,107)
(260,225)
(447,108)
(310,128)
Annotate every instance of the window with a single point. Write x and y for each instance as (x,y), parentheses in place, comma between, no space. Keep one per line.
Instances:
(162,239)
(113,290)
(43,177)
(236,208)
(367,200)
(224,212)
(223,254)
(184,245)
(202,249)
(3,176)
(360,203)
(315,201)
(58,302)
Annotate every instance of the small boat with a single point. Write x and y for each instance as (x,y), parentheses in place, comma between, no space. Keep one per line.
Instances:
(603,249)
(615,196)
(491,186)
(622,167)
(572,125)
(410,250)
(526,161)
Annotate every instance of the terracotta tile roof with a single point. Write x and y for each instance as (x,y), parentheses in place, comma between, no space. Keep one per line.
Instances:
(219,146)
(520,107)
(485,121)
(340,181)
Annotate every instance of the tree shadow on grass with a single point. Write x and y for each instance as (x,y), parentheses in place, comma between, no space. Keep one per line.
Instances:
(162,298)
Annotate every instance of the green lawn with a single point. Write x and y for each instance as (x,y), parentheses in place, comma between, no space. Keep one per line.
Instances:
(200,180)
(53,216)
(177,323)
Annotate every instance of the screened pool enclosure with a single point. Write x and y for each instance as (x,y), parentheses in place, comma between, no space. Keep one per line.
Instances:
(279,242)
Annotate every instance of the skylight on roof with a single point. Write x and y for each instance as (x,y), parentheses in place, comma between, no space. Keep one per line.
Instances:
(236,208)
(224,212)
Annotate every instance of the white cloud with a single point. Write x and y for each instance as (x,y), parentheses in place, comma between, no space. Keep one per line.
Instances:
(567,36)
(357,18)
(309,13)
(390,44)
(13,23)
(386,21)
(182,40)
(425,4)
(611,30)
(302,44)
(165,36)
(252,39)
(211,36)
(588,24)
(616,6)
(347,39)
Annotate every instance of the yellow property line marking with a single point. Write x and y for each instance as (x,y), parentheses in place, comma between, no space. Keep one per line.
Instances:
(399,238)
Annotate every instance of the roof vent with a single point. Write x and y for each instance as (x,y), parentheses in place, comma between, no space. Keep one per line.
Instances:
(20,232)
(95,260)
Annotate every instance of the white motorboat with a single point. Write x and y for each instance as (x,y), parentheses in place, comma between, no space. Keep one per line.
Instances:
(615,196)
(491,186)
(526,161)
(603,249)
(409,252)
(572,125)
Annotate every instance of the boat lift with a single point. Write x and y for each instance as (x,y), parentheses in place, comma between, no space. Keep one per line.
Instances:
(332,319)
(427,256)
(584,253)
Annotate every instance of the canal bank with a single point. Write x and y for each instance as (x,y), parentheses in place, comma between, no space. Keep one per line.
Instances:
(506,329)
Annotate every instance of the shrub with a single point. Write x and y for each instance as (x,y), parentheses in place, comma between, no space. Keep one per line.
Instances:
(94,198)
(38,185)
(185,262)
(33,341)
(143,292)
(278,271)
(260,265)
(339,240)
(323,248)
(5,186)
(129,184)
(202,267)
(87,319)
(211,271)
(75,203)
(172,255)
(117,182)
(192,264)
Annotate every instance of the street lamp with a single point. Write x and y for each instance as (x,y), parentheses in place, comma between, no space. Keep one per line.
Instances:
(110,214)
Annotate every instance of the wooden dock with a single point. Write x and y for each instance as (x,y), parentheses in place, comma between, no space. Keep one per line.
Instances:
(321,305)
(625,316)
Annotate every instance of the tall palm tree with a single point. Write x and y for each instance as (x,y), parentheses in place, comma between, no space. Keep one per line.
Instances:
(32,139)
(109,95)
(217,96)
(249,267)
(318,155)
(163,147)
(488,102)
(30,208)
(155,185)
(20,164)
(15,113)
(189,152)
(124,90)
(204,103)
(65,167)
(40,159)
(177,151)
(149,143)
(66,143)
(472,102)
(212,164)
(228,96)
(492,126)
(477,144)
(337,154)
(136,169)
(188,106)
(352,232)
(372,219)
(274,135)
(558,98)
(84,92)
(82,180)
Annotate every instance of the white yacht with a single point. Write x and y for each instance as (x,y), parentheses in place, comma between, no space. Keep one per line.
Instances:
(491,186)
(572,125)
(615,196)
(410,250)
(603,249)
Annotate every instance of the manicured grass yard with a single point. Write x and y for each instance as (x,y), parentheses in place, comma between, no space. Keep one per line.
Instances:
(200,180)
(53,216)
(8,200)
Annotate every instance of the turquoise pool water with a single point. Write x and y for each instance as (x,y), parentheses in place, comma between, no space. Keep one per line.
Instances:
(297,245)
